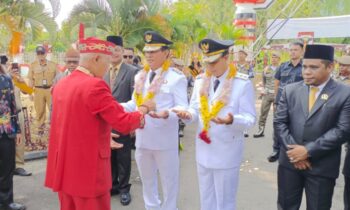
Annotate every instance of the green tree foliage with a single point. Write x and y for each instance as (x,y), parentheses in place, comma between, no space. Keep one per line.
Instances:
(127,18)
(193,20)
(23,14)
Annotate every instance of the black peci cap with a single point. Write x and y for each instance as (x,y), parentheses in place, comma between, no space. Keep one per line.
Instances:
(323,52)
(117,40)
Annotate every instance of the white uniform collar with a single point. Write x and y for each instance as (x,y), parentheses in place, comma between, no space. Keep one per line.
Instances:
(221,78)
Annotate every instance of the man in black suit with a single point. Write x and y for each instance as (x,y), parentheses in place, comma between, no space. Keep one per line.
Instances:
(120,78)
(312,122)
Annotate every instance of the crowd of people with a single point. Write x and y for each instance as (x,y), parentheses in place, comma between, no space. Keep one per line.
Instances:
(107,102)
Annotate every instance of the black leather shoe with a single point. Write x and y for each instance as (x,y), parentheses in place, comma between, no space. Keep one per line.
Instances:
(181,133)
(15,206)
(273,157)
(125,198)
(21,172)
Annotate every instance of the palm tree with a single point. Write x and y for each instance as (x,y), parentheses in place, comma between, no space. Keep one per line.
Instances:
(55,6)
(126,18)
(21,15)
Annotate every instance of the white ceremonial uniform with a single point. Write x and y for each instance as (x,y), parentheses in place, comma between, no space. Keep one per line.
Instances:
(218,163)
(157,143)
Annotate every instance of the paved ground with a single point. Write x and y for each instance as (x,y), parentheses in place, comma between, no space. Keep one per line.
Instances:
(257,189)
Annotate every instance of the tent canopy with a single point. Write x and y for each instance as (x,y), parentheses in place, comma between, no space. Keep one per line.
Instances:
(321,27)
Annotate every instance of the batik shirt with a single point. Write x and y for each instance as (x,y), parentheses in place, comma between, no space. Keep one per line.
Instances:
(8,112)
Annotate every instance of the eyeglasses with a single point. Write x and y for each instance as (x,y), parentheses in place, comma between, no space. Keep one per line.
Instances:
(128,56)
(40,53)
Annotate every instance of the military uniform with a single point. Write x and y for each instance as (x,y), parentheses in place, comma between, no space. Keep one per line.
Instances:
(157,143)
(41,77)
(268,98)
(246,69)
(218,163)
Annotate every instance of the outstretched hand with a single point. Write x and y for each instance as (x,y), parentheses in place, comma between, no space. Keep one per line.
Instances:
(184,115)
(224,120)
(159,115)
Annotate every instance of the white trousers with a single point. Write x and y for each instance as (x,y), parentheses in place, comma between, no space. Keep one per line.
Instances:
(166,162)
(218,188)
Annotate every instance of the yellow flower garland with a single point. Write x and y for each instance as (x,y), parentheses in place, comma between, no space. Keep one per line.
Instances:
(139,99)
(206,114)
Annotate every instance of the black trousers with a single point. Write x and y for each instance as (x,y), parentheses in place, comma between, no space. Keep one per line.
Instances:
(276,144)
(7,167)
(347,193)
(291,184)
(121,165)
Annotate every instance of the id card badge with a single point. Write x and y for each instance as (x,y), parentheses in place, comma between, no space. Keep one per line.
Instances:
(44,82)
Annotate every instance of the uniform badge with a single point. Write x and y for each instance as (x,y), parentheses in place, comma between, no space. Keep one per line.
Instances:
(242,76)
(324,97)
(205,47)
(148,38)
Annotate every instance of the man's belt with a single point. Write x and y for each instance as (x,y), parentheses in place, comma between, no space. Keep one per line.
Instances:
(43,87)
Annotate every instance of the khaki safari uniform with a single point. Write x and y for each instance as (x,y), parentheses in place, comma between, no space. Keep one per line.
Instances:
(41,77)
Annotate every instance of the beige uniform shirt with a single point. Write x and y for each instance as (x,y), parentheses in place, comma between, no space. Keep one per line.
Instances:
(42,75)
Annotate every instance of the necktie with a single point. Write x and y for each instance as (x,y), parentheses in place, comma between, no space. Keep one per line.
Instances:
(153,74)
(113,75)
(216,84)
(312,97)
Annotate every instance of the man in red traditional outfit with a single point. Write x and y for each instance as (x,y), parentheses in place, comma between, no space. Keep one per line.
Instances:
(84,112)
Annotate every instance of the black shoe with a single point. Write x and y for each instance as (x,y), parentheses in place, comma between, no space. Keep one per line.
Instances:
(246,135)
(114,192)
(181,133)
(125,198)
(260,133)
(21,172)
(14,206)
(273,157)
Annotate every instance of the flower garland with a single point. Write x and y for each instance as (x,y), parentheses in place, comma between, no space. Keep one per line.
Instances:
(153,89)
(208,114)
